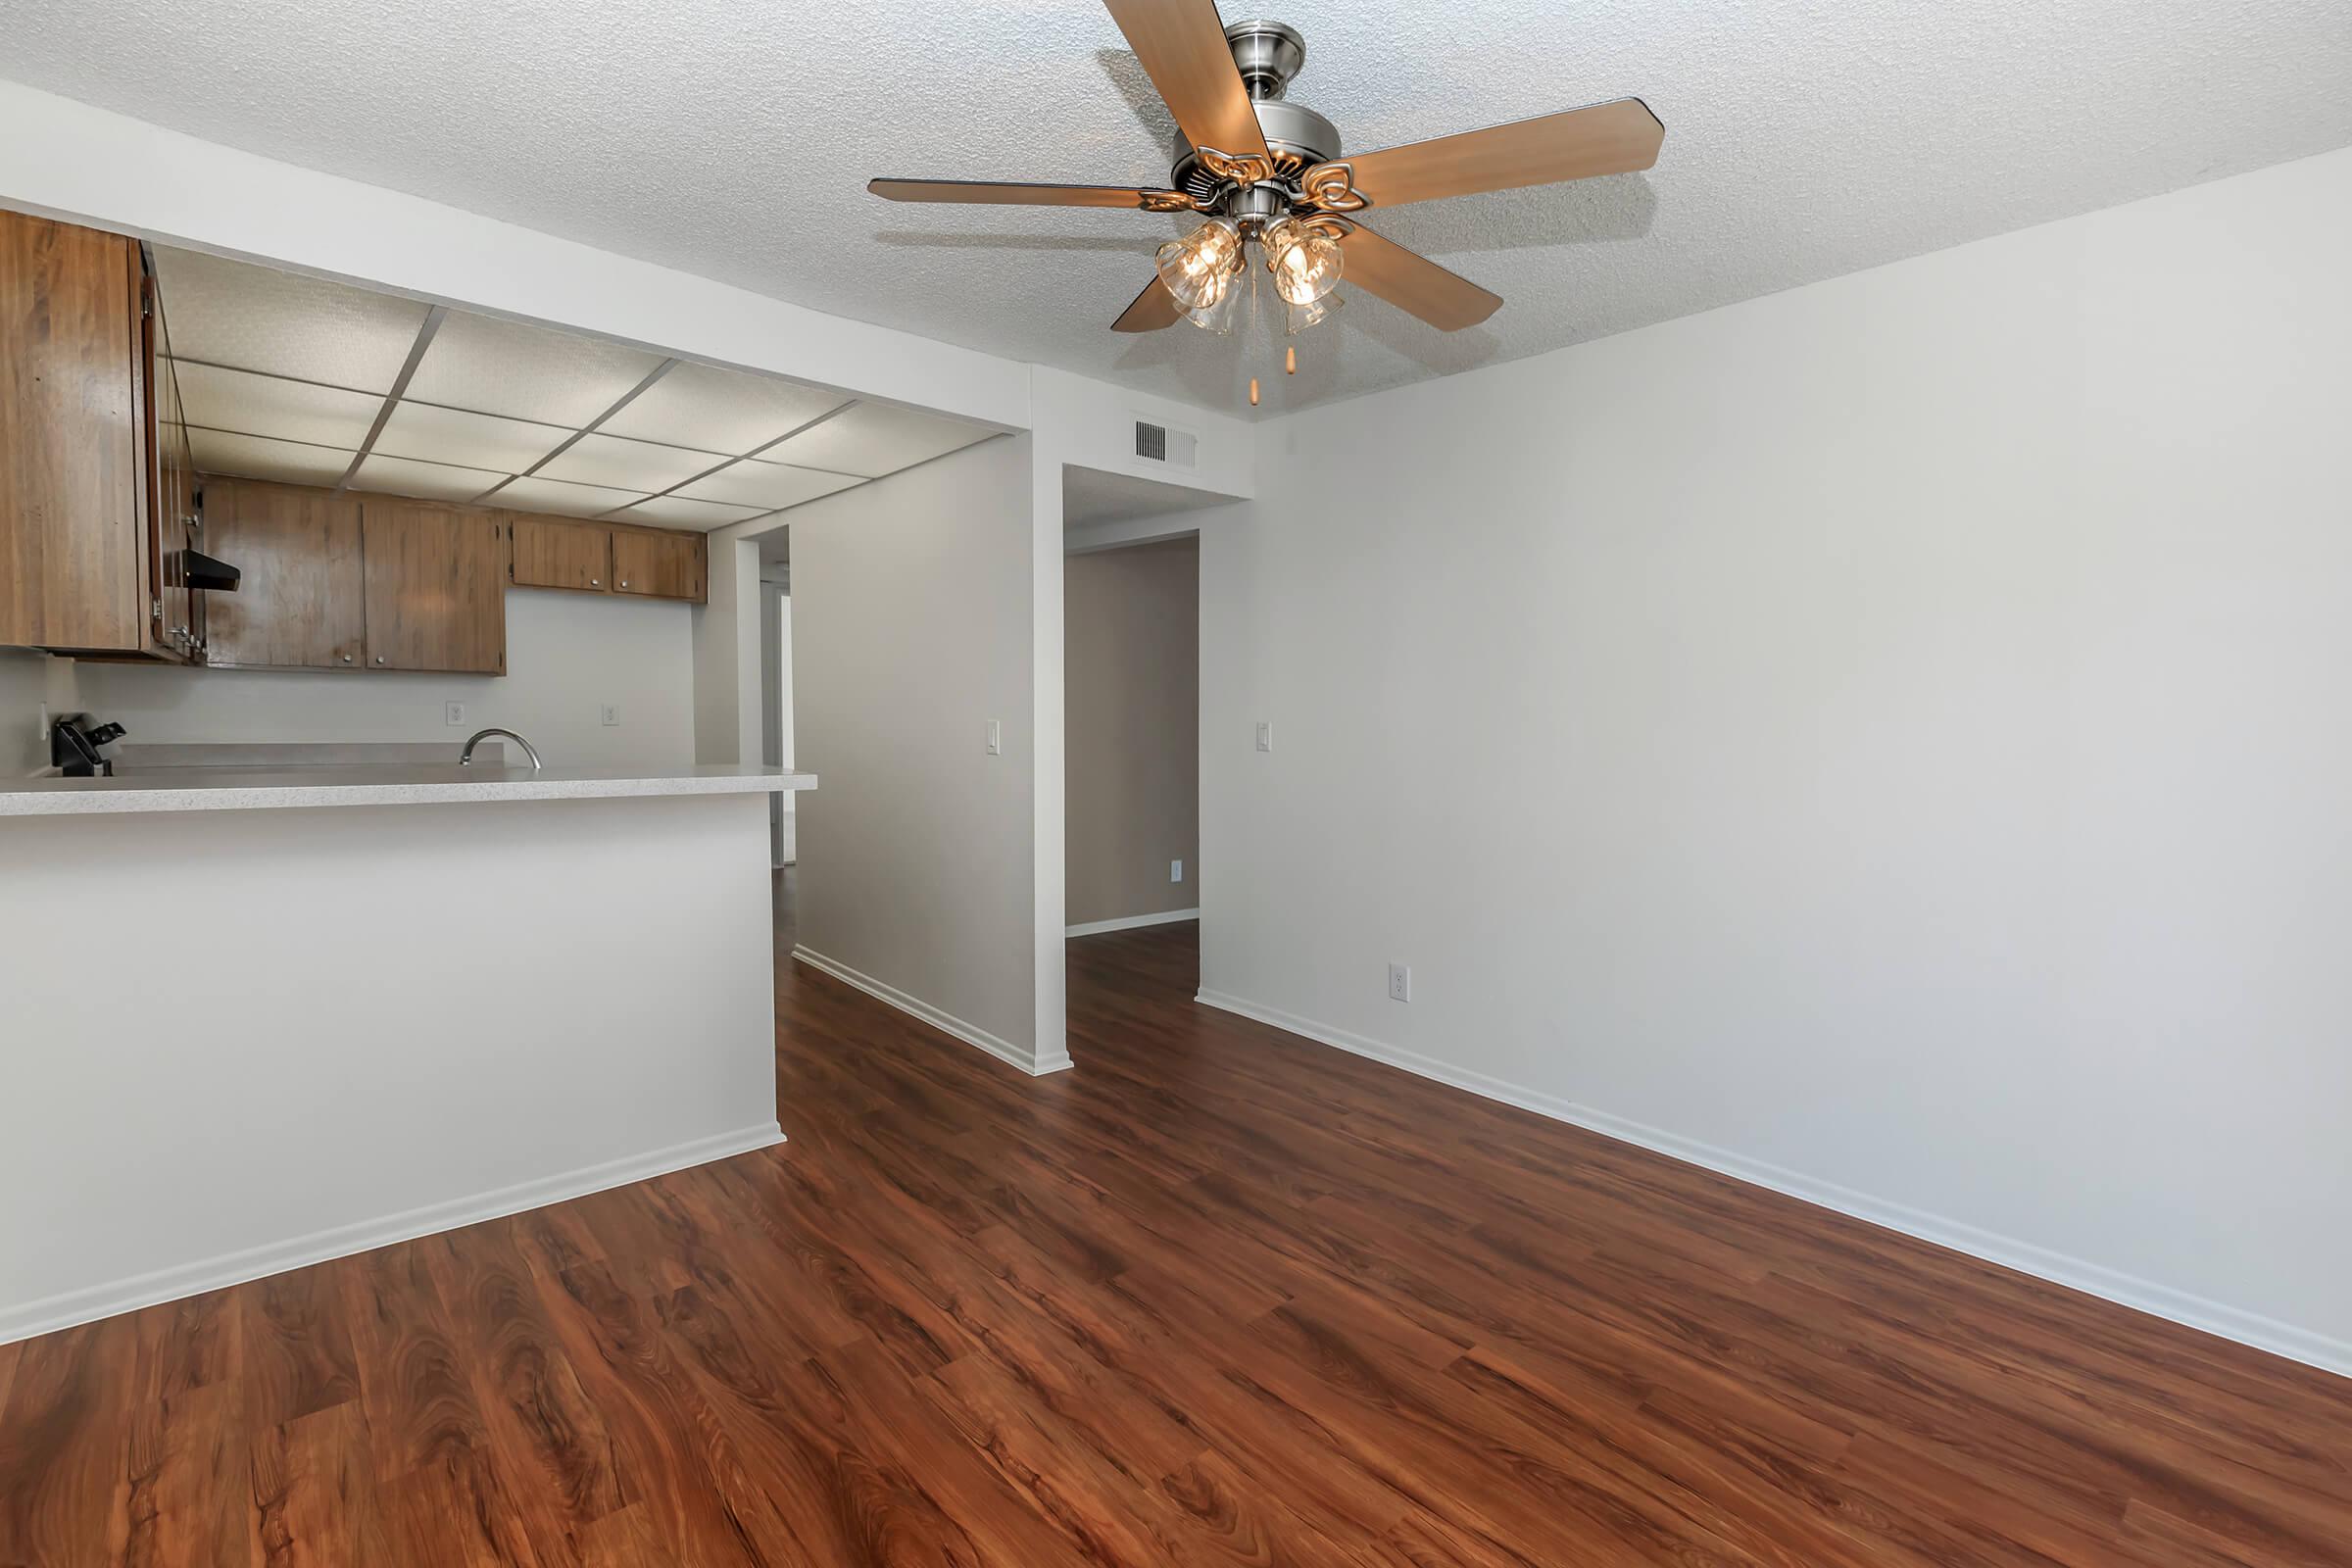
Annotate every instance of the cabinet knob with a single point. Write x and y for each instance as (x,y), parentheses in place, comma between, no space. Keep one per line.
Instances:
(379,659)
(624,583)
(593,584)
(347,658)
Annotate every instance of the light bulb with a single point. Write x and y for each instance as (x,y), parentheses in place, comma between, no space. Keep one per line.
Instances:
(1304,260)
(1198,269)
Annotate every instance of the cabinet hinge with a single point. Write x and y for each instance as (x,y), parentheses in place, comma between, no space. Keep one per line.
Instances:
(155,609)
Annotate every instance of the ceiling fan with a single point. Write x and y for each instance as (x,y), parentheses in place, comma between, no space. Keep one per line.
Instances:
(1268,173)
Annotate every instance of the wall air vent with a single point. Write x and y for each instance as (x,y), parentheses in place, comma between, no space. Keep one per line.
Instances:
(1159,443)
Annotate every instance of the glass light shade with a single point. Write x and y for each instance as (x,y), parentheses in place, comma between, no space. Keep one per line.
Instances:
(1220,314)
(1198,269)
(1305,262)
(1298,316)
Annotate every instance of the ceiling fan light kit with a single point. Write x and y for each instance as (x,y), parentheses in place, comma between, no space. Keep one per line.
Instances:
(1267,172)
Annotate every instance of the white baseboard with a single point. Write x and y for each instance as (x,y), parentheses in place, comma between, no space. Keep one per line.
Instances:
(62,1311)
(2159,1301)
(1130,922)
(1021,1056)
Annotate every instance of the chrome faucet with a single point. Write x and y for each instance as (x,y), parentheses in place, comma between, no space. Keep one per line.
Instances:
(466,757)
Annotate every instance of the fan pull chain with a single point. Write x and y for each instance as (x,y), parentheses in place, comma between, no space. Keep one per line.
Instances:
(1290,359)
(1254,391)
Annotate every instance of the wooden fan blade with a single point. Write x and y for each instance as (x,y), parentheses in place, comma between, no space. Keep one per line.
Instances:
(1181,45)
(1153,309)
(1612,138)
(996,193)
(1413,282)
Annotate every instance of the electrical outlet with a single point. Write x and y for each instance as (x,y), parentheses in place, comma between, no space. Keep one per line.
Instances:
(996,739)
(453,713)
(1265,737)
(1400,983)
(1175,870)
(612,715)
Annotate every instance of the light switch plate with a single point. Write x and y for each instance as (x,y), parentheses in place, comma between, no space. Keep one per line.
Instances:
(1175,870)
(453,713)
(610,713)
(996,739)
(1265,737)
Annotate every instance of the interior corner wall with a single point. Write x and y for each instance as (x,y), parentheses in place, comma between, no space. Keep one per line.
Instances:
(1132,727)
(1886,740)
(726,655)
(911,629)
(23,687)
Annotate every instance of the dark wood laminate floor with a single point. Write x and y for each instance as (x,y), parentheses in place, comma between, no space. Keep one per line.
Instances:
(1221,1296)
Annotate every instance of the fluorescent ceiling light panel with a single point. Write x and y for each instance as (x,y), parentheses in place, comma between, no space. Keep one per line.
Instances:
(768,486)
(535,494)
(270,405)
(282,324)
(525,373)
(252,457)
(678,511)
(431,481)
(638,466)
(719,411)
(873,439)
(474,440)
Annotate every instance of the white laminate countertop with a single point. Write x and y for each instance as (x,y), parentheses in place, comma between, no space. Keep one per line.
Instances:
(224,789)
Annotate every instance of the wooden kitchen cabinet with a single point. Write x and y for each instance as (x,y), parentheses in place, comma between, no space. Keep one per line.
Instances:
(302,602)
(664,565)
(435,586)
(74,546)
(561,553)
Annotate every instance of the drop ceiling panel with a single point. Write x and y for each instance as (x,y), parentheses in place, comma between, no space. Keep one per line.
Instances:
(535,494)
(432,481)
(252,457)
(677,511)
(638,466)
(477,440)
(768,486)
(525,373)
(271,406)
(873,439)
(719,411)
(281,323)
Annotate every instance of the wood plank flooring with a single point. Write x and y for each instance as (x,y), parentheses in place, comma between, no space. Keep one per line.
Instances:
(1220,1297)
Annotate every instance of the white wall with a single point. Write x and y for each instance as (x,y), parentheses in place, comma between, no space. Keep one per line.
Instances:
(23,684)
(1887,739)
(726,654)
(910,630)
(566,656)
(348,1026)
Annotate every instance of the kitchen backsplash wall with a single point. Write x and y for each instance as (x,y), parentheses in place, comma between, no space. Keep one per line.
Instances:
(567,657)
(28,681)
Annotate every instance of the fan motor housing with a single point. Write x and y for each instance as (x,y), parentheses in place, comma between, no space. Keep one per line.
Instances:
(1267,54)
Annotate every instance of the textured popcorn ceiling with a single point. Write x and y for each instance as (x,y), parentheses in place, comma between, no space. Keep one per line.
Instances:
(1804,138)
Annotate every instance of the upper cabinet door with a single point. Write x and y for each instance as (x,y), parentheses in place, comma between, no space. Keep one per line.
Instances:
(73,523)
(665,565)
(437,587)
(302,603)
(558,553)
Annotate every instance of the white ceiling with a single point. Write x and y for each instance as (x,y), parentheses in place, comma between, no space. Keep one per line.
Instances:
(1804,138)
(1093,495)
(312,383)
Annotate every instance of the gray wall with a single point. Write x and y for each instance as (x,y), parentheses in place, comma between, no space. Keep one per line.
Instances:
(910,630)
(23,679)
(1132,729)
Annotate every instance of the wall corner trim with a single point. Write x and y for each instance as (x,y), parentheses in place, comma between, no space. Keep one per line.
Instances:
(1130,922)
(1021,1056)
(24,1320)
(2217,1318)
